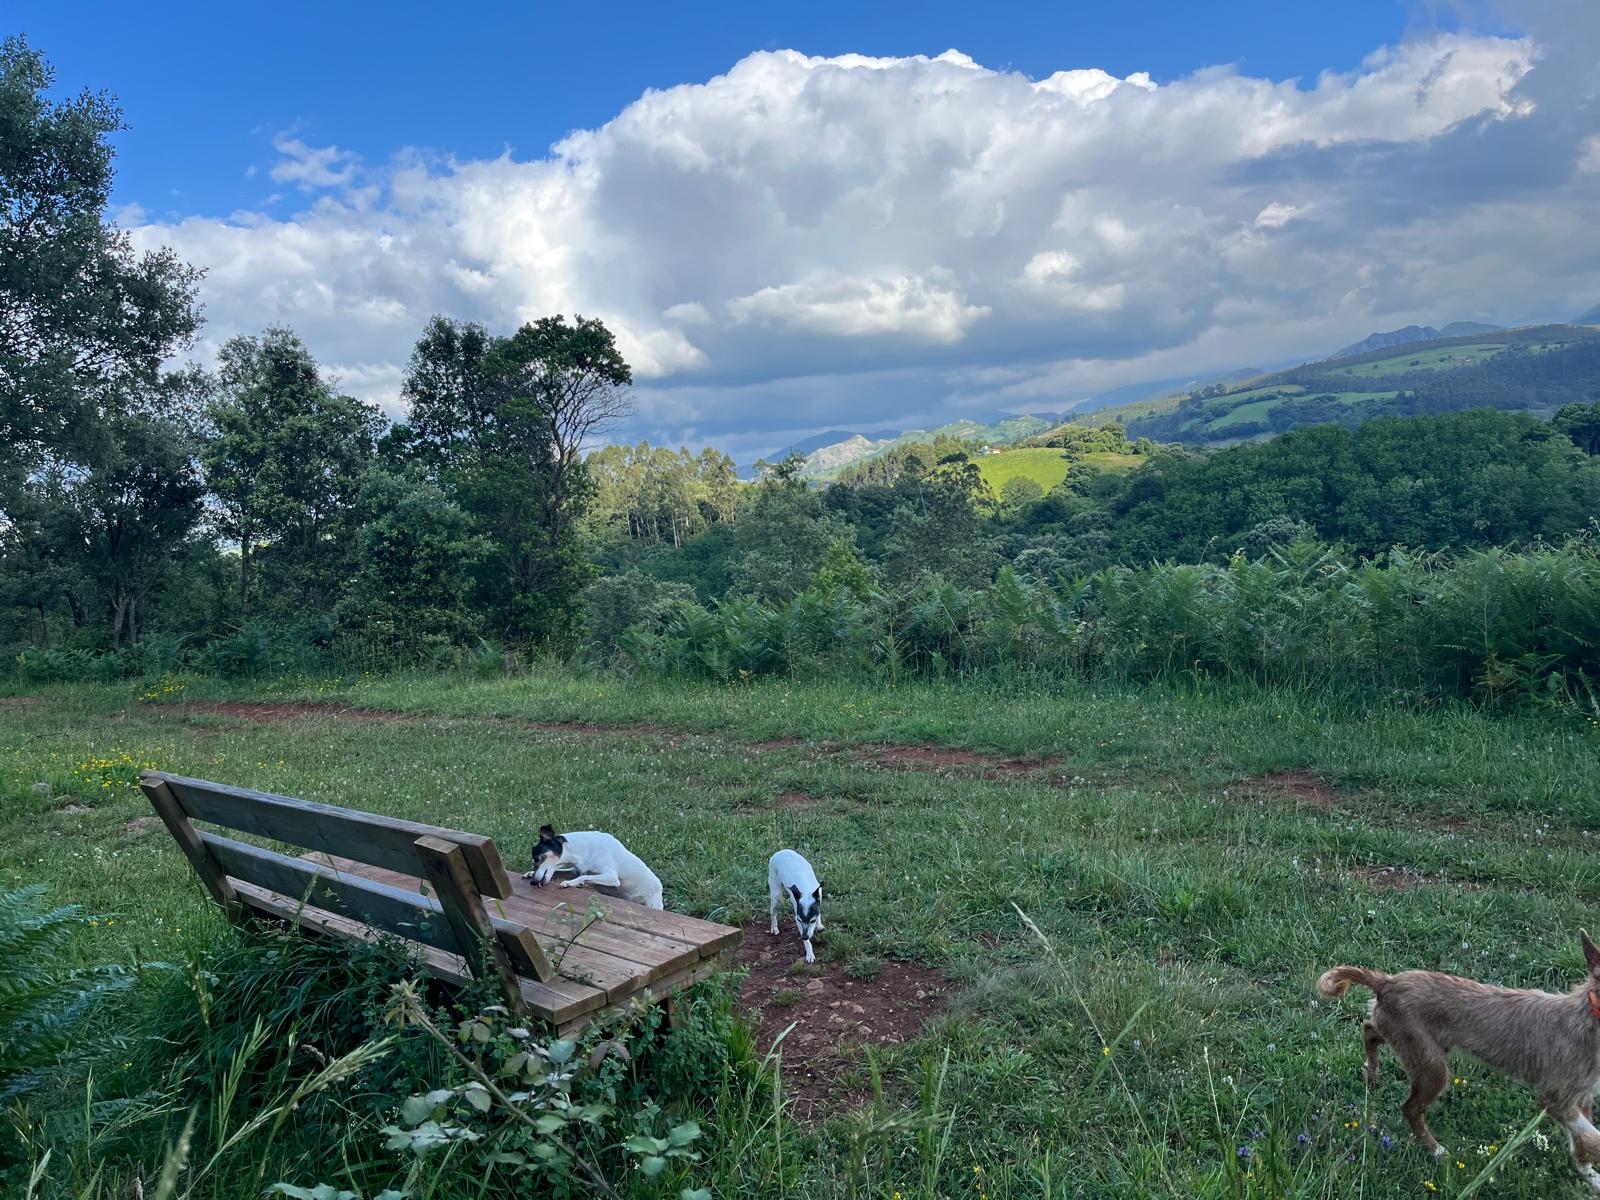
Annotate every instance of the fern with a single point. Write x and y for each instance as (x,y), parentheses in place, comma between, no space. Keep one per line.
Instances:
(42,1003)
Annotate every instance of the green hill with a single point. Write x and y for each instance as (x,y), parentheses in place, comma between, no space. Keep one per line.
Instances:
(1045,466)
(1535,369)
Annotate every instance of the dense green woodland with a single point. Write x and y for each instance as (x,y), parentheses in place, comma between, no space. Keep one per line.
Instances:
(247,515)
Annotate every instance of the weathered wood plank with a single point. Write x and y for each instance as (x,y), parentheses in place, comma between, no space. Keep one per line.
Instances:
(708,937)
(655,993)
(189,840)
(383,841)
(446,868)
(618,959)
(556,1001)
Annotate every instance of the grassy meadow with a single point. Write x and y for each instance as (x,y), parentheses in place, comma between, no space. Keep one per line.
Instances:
(1190,861)
(1045,466)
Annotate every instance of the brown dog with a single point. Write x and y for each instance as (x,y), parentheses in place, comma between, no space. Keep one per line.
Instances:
(1551,1042)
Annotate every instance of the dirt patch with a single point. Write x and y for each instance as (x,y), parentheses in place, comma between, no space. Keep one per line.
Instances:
(831,1010)
(276,712)
(1301,788)
(1404,879)
(139,826)
(797,799)
(587,729)
(783,743)
(20,702)
(946,758)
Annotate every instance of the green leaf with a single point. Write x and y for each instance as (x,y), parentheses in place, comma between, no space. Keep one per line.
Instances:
(686,1194)
(653,1165)
(549,1123)
(478,1096)
(416,1109)
(682,1135)
(561,1050)
(643,1143)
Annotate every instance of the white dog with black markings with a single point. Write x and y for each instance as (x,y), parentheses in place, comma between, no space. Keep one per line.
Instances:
(595,859)
(790,876)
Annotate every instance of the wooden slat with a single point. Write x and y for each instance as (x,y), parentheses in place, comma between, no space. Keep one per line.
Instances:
(615,958)
(401,911)
(658,991)
(190,841)
(556,1001)
(708,937)
(368,837)
(406,914)
(446,869)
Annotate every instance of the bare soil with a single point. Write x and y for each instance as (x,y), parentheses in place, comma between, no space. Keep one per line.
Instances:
(946,758)
(1301,788)
(833,1012)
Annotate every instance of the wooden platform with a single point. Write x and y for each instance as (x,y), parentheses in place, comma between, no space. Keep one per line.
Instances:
(564,956)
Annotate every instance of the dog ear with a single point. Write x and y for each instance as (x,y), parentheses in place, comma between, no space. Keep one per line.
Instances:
(795,892)
(546,833)
(1591,952)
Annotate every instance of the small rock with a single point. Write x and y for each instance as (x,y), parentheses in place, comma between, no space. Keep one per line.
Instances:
(73,810)
(41,788)
(816,985)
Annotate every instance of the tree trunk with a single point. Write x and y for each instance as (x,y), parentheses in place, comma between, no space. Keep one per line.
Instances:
(244,577)
(119,614)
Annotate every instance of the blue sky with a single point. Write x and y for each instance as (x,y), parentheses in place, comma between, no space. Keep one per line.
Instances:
(205,87)
(819,219)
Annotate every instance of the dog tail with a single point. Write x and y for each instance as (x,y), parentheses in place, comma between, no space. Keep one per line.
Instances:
(1337,981)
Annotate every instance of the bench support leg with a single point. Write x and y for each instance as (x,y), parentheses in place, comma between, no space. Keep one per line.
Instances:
(452,881)
(196,851)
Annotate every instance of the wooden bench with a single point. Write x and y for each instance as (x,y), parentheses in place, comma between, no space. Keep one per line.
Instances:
(568,956)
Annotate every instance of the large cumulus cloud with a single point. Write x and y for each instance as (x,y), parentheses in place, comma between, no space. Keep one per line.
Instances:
(866,242)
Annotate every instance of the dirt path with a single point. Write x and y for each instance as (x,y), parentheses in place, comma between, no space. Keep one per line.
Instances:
(833,1013)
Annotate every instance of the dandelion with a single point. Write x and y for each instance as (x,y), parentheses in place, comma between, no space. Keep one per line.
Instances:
(1430,1185)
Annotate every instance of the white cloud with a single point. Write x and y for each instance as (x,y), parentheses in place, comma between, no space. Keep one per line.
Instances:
(839,306)
(864,241)
(1275,215)
(310,167)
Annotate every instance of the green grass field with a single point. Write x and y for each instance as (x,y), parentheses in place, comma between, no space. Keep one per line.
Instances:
(1044,466)
(1432,359)
(1195,861)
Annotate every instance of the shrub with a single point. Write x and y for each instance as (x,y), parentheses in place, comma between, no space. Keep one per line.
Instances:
(41,1003)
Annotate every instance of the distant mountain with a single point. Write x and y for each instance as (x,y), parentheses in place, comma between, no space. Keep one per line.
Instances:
(1468,328)
(1394,337)
(1536,368)
(1592,317)
(826,460)
(805,447)
(1160,389)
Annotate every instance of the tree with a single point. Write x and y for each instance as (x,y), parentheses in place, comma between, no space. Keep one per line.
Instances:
(285,460)
(1019,492)
(85,323)
(411,576)
(101,539)
(1581,423)
(501,422)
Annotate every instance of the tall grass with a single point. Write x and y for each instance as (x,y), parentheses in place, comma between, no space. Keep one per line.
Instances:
(1495,625)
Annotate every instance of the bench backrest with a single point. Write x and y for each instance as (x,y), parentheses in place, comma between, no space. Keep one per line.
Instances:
(342,832)
(461,868)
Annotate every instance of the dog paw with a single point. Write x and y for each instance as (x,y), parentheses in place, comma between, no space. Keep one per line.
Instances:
(570,883)
(1440,1151)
